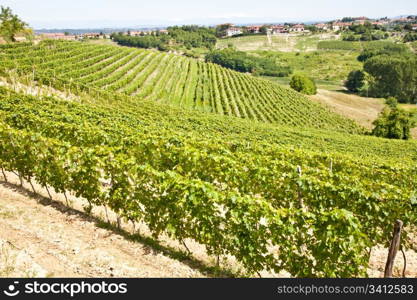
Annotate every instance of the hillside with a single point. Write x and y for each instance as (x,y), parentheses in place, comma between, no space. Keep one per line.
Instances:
(185,173)
(239,188)
(280,42)
(168,78)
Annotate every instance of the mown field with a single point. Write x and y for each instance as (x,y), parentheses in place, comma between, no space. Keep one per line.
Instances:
(303,195)
(283,42)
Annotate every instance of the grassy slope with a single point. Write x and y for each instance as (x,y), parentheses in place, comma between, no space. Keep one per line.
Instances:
(363,110)
(328,66)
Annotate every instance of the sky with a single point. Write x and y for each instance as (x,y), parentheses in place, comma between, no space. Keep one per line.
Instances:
(134,13)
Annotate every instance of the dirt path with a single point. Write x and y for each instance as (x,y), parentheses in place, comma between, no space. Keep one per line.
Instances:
(362,110)
(44,240)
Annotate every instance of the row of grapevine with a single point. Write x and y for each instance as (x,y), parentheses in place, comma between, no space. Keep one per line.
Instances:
(226,223)
(376,193)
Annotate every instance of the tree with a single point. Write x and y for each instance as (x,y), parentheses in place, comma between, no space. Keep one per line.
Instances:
(394,123)
(10,24)
(355,81)
(391,102)
(303,84)
(393,76)
(264,29)
(221,29)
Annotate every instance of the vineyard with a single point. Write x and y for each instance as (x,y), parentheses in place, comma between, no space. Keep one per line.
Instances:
(146,75)
(239,188)
(296,192)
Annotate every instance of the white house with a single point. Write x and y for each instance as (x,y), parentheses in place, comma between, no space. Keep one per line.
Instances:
(336,26)
(254,29)
(233,31)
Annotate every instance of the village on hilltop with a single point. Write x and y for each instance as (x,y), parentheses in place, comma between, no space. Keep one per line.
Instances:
(237,30)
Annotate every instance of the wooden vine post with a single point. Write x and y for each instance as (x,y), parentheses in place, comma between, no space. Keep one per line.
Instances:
(393,249)
(300,197)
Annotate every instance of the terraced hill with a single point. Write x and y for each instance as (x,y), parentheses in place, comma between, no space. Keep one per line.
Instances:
(168,78)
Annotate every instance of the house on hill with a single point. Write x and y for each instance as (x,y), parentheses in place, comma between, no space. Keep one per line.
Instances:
(277,29)
(254,29)
(92,35)
(297,28)
(20,39)
(232,31)
(135,33)
(336,26)
(59,36)
(322,26)
(361,20)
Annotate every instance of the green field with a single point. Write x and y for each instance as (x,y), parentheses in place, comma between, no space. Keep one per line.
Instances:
(329,67)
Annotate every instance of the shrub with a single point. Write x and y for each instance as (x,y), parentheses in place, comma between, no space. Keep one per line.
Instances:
(394,123)
(303,84)
(391,102)
(242,62)
(393,76)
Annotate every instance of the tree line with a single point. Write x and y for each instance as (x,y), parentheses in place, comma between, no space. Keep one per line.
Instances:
(389,72)
(190,36)
(242,62)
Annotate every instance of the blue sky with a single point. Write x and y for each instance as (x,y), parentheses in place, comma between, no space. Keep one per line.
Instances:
(129,13)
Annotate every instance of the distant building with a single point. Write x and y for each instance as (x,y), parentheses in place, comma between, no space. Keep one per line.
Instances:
(401,20)
(336,26)
(58,36)
(277,29)
(414,26)
(135,33)
(378,23)
(92,35)
(360,20)
(232,31)
(322,26)
(20,38)
(254,29)
(297,28)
